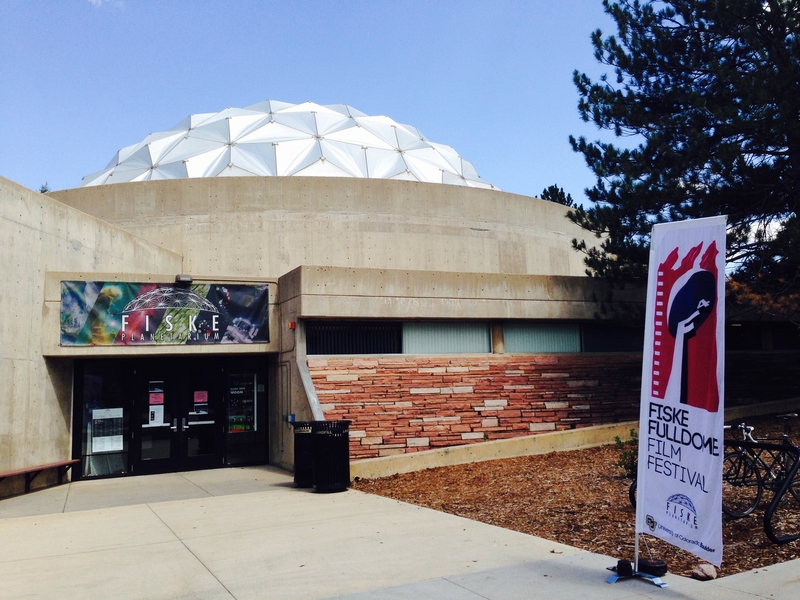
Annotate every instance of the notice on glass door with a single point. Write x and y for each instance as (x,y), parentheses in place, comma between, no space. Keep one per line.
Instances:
(156,414)
(156,392)
(201,402)
(107,430)
(242,404)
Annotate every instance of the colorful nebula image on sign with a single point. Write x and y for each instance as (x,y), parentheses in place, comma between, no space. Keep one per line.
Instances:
(121,313)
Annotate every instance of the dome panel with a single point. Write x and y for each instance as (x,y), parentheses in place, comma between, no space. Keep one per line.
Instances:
(215,131)
(322,168)
(380,128)
(272,132)
(423,170)
(140,158)
(191,121)
(451,179)
(127,176)
(359,136)
(270,106)
(209,163)
(234,171)
(451,156)
(385,164)
(292,157)
(98,178)
(331,123)
(160,146)
(349,157)
(279,138)
(188,148)
(304,122)
(241,126)
(404,176)
(170,171)
(255,158)
(433,158)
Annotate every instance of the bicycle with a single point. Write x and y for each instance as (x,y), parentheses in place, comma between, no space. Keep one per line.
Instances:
(748,470)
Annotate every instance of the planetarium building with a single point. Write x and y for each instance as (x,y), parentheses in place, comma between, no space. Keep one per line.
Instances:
(256,266)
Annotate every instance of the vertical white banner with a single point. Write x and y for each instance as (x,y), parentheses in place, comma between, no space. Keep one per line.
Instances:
(682,408)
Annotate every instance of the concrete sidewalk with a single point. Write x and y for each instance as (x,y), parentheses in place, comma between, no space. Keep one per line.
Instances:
(248,533)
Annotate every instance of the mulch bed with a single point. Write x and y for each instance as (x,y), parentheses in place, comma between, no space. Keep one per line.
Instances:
(578,498)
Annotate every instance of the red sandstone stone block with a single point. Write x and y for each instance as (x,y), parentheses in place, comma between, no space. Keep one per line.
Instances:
(391,452)
(510,414)
(501,436)
(407,430)
(460,428)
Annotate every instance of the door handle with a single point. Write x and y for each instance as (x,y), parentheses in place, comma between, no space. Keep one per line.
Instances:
(174,426)
(184,426)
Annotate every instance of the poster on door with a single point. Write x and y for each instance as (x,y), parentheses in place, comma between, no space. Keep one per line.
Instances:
(156,415)
(107,430)
(96,313)
(242,403)
(200,403)
(681,419)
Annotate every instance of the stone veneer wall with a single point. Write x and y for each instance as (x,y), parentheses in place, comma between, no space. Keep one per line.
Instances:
(401,404)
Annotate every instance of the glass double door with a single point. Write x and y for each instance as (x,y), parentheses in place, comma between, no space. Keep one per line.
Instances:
(159,415)
(178,416)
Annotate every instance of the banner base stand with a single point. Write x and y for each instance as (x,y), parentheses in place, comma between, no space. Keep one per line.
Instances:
(652,578)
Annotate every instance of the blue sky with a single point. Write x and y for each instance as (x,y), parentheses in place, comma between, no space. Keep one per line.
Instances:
(80,79)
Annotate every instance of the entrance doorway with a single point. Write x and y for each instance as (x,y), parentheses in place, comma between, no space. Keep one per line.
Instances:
(180,424)
(160,415)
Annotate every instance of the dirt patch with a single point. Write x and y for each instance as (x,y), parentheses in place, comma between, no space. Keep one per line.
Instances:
(579,498)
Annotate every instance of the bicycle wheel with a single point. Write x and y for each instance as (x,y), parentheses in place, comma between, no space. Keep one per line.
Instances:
(632,493)
(794,487)
(741,485)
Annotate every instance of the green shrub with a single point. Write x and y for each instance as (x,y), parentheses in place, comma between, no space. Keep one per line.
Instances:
(628,454)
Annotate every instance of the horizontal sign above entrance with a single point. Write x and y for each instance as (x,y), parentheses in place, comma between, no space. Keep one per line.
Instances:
(96,313)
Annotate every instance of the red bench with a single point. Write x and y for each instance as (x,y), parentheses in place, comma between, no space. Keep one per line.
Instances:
(32,472)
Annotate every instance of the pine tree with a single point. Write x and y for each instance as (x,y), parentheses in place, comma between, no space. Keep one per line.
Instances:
(705,99)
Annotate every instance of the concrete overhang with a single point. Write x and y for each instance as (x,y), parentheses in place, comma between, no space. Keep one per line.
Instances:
(349,293)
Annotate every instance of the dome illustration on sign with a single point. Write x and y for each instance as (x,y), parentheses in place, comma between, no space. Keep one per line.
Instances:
(684,501)
(280,139)
(169,297)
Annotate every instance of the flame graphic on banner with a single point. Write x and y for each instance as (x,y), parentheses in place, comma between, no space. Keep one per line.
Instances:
(685,343)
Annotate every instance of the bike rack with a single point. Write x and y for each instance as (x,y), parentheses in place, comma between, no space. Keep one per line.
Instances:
(794,452)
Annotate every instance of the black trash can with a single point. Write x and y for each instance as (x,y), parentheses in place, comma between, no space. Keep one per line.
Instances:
(304,453)
(331,456)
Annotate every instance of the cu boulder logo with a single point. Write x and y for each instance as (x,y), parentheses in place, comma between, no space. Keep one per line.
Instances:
(651,522)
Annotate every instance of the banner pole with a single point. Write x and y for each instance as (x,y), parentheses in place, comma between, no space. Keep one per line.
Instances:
(682,391)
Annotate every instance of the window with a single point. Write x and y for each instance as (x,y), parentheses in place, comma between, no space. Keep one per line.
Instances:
(542,337)
(446,338)
(354,337)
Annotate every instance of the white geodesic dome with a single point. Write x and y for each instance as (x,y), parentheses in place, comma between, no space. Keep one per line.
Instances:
(277,138)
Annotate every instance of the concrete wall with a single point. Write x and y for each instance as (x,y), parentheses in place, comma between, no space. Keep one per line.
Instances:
(38,235)
(267,226)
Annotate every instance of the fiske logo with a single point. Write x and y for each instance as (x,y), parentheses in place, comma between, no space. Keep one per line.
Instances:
(681,508)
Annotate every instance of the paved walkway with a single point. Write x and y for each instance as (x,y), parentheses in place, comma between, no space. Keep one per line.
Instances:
(248,533)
